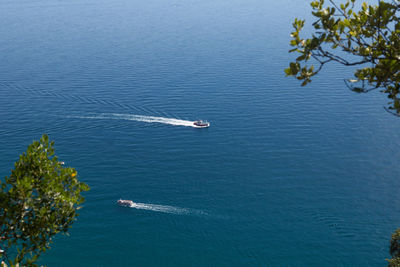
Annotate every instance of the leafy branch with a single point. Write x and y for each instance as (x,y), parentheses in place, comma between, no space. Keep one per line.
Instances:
(368,38)
(38,200)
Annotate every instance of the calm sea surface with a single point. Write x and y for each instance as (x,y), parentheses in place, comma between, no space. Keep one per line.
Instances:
(285,176)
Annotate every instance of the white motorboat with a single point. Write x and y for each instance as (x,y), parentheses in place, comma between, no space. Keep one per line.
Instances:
(125,203)
(201,124)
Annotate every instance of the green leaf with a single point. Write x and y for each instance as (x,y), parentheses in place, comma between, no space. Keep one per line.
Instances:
(39,200)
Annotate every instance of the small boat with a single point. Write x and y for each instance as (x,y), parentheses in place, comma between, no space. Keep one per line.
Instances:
(125,203)
(201,124)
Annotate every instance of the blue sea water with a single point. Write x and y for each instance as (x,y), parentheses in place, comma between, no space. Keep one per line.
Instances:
(285,175)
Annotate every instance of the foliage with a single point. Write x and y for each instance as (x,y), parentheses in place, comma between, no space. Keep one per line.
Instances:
(368,38)
(395,262)
(38,200)
(395,249)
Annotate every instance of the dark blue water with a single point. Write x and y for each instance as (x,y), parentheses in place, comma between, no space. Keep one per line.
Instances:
(285,176)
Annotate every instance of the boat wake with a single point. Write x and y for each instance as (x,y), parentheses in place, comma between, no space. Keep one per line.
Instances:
(159,208)
(141,118)
(166,209)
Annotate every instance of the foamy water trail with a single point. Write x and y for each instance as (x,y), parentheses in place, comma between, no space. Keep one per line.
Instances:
(142,118)
(160,208)
(166,209)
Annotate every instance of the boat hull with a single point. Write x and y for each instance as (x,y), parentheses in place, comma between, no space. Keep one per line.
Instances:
(201,124)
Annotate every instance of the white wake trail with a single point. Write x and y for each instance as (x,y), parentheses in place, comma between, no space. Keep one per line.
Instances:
(160,208)
(142,118)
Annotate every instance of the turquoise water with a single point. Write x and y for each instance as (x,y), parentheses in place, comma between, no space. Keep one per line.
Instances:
(285,176)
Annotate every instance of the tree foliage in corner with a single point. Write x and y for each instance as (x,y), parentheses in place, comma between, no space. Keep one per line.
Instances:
(38,200)
(395,249)
(368,38)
